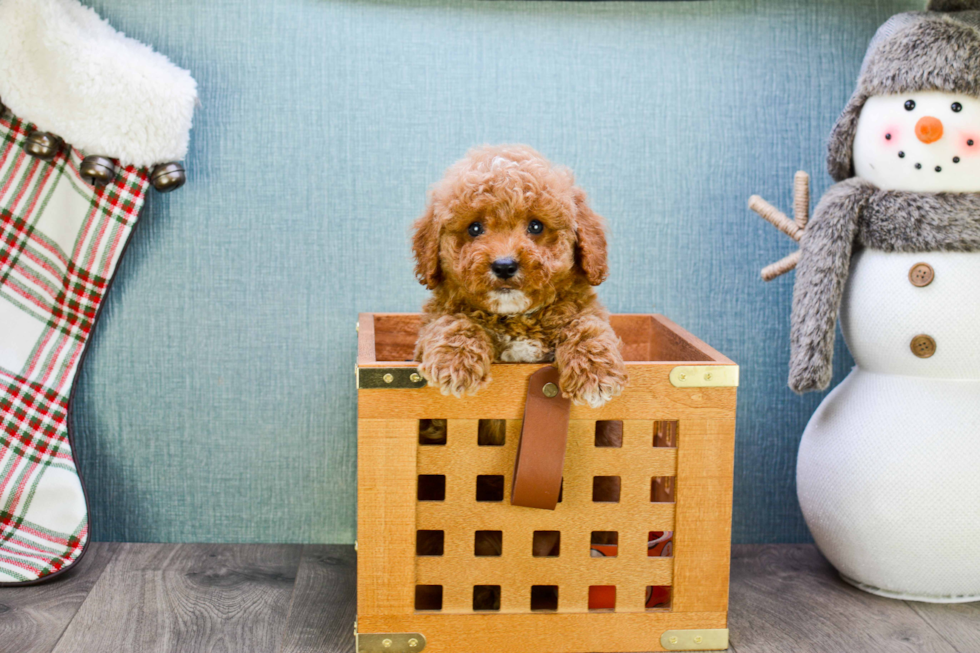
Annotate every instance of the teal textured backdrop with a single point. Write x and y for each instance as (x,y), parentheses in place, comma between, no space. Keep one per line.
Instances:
(217,401)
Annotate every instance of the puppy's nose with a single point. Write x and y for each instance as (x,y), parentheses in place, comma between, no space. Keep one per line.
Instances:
(929,129)
(504,268)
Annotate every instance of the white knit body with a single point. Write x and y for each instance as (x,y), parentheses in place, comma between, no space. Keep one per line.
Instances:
(888,474)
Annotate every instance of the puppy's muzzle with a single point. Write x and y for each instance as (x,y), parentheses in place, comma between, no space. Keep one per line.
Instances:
(504,268)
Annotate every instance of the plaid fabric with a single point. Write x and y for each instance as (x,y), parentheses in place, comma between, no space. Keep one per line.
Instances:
(60,242)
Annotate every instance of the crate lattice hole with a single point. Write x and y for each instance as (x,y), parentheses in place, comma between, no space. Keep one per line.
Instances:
(546,544)
(433,432)
(490,487)
(665,433)
(609,433)
(491,432)
(602,598)
(432,487)
(606,489)
(660,544)
(544,598)
(488,544)
(430,543)
(663,489)
(486,598)
(658,598)
(428,598)
(604,544)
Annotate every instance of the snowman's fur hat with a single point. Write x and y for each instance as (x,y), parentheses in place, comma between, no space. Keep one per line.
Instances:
(935,50)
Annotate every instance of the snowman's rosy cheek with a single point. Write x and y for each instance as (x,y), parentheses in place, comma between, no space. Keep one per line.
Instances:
(890,136)
(969,144)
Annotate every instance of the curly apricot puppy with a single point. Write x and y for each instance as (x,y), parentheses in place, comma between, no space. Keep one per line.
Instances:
(511,250)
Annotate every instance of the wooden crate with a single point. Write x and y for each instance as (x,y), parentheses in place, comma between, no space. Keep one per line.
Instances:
(678,384)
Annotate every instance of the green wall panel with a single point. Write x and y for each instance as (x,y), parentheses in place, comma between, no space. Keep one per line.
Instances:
(217,402)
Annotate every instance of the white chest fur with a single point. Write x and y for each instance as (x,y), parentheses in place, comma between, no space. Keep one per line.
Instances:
(523,350)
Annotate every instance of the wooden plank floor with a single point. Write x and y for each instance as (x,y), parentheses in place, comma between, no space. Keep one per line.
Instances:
(185,598)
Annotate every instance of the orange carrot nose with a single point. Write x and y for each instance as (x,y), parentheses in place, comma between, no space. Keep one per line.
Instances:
(929,129)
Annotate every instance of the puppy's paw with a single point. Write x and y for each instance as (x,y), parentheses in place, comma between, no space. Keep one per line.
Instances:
(456,371)
(593,381)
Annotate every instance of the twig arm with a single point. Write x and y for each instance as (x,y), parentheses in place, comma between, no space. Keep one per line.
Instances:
(801,199)
(776,217)
(781,266)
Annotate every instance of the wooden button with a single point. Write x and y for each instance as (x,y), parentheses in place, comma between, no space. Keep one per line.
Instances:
(923,346)
(921,275)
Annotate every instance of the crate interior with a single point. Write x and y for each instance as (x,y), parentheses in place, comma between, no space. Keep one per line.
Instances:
(646,338)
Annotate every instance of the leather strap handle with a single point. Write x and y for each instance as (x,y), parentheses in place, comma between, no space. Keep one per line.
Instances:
(541,452)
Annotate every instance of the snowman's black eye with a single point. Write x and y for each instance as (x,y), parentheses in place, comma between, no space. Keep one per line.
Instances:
(535,227)
(909,105)
(475,229)
(956,107)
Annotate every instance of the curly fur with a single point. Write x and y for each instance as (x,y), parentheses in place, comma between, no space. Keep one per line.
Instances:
(855,211)
(548,311)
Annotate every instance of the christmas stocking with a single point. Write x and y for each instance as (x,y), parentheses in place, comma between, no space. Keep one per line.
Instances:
(91,120)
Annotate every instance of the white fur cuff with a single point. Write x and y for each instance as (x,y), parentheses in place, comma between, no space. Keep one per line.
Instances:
(70,73)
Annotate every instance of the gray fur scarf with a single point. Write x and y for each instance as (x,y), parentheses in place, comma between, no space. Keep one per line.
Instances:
(855,211)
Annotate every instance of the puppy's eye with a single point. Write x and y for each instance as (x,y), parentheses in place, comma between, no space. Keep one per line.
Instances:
(909,105)
(535,227)
(475,229)
(956,107)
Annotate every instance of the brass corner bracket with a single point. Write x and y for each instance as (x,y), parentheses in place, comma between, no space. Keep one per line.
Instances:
(704,376)
(715,639)
(390,642)
(370,378)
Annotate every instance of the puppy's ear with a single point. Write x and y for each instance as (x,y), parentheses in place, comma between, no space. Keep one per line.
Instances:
(425,246)
(591,240)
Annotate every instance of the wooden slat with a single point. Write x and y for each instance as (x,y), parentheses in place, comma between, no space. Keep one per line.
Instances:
(464,459)
(788,598)
(395,335)
(502,516)
(703,518)
(672,342)
(567,571)
(323,607)
(534,633)
(957,623)
(187,597)
(636,333)
(33,617)
(365,338)
(386,486)
(649,396)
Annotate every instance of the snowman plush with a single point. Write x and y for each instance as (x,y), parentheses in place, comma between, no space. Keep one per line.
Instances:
(888,473)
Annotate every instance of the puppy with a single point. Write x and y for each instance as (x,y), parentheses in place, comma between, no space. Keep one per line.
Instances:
(511,250)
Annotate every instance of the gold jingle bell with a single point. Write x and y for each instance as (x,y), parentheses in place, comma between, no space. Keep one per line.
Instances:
(97,169)
(42,145)
(167,177)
